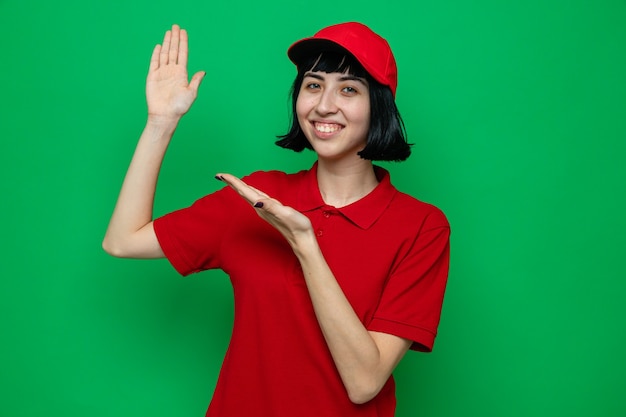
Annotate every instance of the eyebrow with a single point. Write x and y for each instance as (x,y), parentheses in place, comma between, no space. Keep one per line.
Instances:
(346,77)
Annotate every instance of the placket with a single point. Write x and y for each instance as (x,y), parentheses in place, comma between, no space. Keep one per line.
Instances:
(325,221)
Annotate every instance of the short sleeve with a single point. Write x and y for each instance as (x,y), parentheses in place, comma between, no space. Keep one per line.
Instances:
(410,306)
(190,237)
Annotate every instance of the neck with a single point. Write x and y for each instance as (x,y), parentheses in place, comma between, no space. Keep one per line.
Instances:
(344,183)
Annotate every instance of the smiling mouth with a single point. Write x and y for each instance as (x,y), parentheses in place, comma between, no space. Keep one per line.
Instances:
(327,127)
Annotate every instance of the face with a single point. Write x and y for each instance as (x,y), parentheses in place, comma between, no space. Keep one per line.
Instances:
(333,111)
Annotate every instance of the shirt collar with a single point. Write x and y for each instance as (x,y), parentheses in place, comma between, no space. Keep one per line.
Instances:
(363,212)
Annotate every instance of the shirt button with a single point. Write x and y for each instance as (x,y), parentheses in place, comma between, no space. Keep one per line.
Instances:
(326,214)
(319,232)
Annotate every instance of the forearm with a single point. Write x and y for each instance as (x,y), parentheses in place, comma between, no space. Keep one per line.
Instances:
(364,359)
(134,207)
(363,367)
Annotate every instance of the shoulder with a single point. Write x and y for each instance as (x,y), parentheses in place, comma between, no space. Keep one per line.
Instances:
(411,210)
(406,211)
(274,182)
(266,177)
(274,175)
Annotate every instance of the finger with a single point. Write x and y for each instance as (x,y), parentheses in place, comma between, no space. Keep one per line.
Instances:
(173,53)
(196,80)
(154,60)
(165,48)
(269,204)
(259,191)
(183,48)
(244,190)
(263,204)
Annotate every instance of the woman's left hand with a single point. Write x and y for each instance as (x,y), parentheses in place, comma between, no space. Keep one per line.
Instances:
(364,359)
(292,224)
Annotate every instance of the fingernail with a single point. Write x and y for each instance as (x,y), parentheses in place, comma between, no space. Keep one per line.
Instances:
(258,204)
(219,178)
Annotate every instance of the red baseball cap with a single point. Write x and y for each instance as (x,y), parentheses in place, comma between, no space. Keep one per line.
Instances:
(369,48)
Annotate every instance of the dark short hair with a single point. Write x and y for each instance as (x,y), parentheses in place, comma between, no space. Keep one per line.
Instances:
(386,139)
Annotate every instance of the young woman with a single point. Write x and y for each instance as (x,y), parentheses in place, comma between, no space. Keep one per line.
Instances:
(336,274)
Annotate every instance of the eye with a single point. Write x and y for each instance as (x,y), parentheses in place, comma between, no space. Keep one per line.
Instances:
(349,90)
(312,86)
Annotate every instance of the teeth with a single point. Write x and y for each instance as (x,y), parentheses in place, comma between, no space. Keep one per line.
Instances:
(327,127)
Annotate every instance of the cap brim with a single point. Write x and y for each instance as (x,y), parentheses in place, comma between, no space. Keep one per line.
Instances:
(304,48)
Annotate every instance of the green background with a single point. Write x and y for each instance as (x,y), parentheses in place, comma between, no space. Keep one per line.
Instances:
(518,112)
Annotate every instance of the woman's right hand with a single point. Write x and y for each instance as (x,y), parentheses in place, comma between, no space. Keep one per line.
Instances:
(169,92)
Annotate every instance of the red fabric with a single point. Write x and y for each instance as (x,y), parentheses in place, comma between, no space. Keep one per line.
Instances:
(388,251)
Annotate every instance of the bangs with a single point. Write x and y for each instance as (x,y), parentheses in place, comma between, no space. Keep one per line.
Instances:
(386,140)
(334,61)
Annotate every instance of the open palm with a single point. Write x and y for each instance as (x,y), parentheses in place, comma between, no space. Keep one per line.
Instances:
(168,90)
(288,221)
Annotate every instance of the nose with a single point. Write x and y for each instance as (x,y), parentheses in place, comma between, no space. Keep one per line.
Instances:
(327,103)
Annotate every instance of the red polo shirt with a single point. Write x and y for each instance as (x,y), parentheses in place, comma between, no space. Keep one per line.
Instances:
(388,251)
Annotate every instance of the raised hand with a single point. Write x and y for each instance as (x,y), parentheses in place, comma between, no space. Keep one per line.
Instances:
(169,92)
